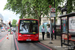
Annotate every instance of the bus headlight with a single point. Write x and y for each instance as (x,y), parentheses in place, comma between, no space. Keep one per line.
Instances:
(19,35)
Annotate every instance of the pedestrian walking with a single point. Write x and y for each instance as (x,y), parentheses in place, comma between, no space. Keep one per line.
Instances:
(43,32)
(49,32)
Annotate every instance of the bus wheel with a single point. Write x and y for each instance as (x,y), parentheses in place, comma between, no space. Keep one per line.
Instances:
(19,41)
(38,41)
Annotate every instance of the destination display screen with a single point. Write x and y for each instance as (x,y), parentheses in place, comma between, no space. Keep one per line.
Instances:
(29,21)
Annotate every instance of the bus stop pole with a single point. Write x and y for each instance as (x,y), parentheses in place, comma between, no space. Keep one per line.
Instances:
(50,31)
(50,28)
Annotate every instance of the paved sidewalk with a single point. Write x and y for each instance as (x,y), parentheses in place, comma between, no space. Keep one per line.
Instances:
(56,43)
(8,43)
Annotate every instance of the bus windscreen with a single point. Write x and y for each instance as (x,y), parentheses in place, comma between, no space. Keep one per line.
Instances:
(28,26)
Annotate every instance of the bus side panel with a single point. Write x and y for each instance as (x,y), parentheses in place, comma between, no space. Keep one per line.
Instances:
(38,30)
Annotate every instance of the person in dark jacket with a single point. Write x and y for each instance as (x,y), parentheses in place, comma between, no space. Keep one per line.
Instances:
(43,32)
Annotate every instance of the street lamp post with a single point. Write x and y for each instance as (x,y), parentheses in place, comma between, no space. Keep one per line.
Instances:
(51,26)
(63,9)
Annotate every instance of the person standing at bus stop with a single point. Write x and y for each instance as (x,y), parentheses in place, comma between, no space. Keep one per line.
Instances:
(43,32)
(49,32)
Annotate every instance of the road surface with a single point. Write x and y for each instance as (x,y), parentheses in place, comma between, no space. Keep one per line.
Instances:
(25,45)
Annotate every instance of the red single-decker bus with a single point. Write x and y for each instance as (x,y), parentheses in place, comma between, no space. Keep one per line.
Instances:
(27,30)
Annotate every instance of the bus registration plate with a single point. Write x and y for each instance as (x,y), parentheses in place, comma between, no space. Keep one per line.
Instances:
(28,39)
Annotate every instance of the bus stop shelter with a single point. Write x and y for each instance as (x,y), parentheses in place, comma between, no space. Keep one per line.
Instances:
(67,30)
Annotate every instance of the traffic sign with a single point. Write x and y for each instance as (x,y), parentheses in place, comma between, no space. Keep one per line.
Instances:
(53,10)
(10,24)
(53,15)
(50,6)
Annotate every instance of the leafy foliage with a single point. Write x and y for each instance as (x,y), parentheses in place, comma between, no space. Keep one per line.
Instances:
(14,23)
(69,6)
(31,8)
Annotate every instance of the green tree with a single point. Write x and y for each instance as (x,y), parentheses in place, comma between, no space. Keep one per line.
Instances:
(34,8)
(69,6)
(14,23)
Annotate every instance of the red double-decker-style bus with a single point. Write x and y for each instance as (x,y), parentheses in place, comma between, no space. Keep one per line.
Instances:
(27,30)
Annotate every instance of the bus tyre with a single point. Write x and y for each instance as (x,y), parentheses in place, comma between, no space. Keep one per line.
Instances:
(19,41)
(38,41)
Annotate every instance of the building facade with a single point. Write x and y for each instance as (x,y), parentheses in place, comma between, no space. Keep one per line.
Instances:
(1,20)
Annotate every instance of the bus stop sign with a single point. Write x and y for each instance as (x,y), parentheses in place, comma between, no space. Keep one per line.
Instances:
(53,12)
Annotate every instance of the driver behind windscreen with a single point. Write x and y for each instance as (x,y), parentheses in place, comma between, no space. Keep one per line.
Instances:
(25,29)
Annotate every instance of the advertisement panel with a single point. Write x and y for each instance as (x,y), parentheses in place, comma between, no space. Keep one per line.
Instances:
(72,24)
(64,29)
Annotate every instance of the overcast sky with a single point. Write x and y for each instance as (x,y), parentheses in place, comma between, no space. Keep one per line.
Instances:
(7,14)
